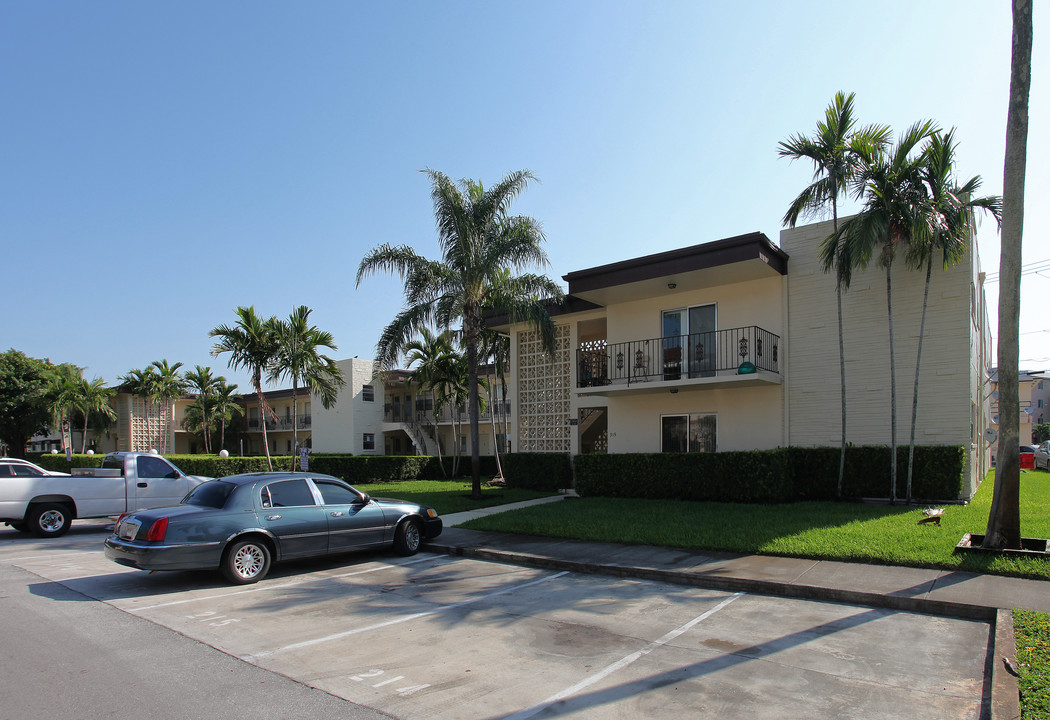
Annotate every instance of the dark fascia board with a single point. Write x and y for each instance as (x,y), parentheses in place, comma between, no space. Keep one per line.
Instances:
(497,318)
(696,257)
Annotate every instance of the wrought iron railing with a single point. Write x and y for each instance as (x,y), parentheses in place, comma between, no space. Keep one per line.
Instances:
(740,350)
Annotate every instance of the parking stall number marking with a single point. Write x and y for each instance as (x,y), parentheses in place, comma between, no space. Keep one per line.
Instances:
(374,674)
(212,619)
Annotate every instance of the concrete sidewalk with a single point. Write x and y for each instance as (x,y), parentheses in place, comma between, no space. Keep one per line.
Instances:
(942,592)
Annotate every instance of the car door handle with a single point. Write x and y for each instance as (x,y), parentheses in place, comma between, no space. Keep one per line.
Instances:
(338,513)
(143,484)
(273,517)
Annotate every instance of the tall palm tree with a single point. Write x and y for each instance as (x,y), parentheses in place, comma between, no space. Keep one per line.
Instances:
(298,357)
(428,354)
(201,381)
(833,152)
(894,213)
(140,383)
(497,351)
(479,240)
(225,406)
(168,388)
(1004,517)
(94,404)
(252,344)
(953,208)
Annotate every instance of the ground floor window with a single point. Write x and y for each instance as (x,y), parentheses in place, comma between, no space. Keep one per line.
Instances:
(688,433)
(368,441)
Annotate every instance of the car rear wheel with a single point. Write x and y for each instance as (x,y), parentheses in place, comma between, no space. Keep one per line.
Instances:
(246,561)
(49,519)
(408,538)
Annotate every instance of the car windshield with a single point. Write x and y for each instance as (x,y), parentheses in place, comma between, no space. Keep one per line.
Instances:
(210,494)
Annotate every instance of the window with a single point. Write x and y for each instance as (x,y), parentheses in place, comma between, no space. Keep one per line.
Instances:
(368,393)
(688,433)
(368,441)
(335,494)
(154,467)
(287,493)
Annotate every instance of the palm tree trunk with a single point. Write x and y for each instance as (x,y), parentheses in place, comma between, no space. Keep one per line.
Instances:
(83,444)
(893,393)
(842,355)
(915,393)
(295,421)
(1004,517)
(492,422)
(262,416)
(437,432)
(472,409)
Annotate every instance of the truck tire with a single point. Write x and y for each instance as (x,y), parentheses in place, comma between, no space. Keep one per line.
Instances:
(49,519)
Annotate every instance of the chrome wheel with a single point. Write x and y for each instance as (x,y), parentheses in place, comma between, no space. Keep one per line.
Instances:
(51,521)
(408,538)
(248,561)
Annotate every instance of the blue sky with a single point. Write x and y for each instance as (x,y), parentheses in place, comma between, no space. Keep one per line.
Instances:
(163,163)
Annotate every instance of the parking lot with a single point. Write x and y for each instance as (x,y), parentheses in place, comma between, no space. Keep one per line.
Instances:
(435,636)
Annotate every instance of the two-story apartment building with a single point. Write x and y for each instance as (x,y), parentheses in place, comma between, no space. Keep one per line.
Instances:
(733,345)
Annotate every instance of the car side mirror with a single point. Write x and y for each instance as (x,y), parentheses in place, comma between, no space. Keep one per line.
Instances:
(365,498)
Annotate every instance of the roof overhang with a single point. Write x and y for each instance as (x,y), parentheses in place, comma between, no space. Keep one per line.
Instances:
(732,260)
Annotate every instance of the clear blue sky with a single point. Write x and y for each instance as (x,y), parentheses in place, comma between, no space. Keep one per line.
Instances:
(163,163)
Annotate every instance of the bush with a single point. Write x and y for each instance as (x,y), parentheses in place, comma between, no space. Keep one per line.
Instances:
(537,471)
(770,476)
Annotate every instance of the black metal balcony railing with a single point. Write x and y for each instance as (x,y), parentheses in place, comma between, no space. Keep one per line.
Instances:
(679,357)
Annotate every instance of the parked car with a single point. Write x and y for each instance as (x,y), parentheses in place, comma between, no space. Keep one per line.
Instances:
(1027,453)
(242,523)
(1041,457)
(47,505)
(23,468)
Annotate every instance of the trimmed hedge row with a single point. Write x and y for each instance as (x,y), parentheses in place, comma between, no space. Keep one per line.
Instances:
(770,476)
(541,471)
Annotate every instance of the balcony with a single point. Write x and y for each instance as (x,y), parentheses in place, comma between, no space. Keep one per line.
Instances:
(736,354)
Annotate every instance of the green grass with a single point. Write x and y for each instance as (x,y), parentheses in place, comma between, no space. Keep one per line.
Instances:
(825,530)
(448,496)
(1032,630)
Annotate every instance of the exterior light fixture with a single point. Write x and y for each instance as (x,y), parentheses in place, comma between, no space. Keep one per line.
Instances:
(674,391)
(672,286)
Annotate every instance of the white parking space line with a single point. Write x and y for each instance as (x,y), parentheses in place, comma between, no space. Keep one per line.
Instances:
(40,558)
(404,618)
(619,664)
(262,588)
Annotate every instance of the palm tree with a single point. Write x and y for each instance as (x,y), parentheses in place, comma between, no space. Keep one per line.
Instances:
(428,355)
(298,358)
(168,388)
(66,397)
(894,213)
(1004,517)
(94,404)
(225,406)
(140,383)
(252,344)
(833,152)
(497,350)
(203,383)
(952,215)
(479,240)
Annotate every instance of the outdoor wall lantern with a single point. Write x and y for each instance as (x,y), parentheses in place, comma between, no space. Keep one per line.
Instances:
(672,286)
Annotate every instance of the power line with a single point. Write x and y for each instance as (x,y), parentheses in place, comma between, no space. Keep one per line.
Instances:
(1035,268)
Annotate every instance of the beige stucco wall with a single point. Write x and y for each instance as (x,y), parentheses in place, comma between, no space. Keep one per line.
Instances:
(340,429)
(950,376)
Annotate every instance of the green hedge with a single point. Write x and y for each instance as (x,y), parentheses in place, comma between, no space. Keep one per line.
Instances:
(768,476)
(537,471)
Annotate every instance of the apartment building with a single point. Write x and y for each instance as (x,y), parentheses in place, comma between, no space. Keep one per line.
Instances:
(733,345)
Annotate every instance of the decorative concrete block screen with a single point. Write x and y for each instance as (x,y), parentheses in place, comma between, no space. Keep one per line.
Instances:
(543,393)
(149,423)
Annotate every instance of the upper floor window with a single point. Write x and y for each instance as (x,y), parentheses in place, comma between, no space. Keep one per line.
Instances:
(368,393)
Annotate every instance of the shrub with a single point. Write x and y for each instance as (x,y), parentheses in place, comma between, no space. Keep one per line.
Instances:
(537,471)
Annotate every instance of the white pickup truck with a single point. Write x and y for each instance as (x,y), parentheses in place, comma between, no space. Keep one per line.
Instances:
(47,506)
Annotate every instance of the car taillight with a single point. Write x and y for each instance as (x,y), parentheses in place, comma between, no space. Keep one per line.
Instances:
(157,530)
(116,527)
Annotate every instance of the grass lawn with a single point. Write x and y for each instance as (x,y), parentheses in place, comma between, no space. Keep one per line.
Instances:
(448,496)
(827,530)
(1033,657)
